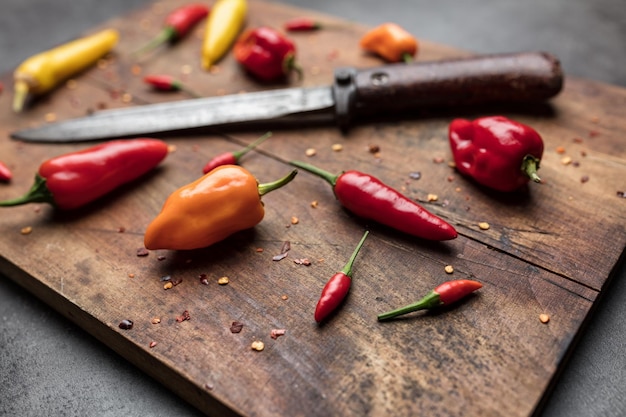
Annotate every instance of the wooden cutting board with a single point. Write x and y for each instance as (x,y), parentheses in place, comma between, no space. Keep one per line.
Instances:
(549,250)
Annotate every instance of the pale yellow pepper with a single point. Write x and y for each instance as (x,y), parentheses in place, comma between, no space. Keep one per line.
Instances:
(225,21)
(44,71)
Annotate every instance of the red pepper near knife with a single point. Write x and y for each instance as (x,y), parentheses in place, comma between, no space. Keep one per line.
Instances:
(72,180)
(5,172)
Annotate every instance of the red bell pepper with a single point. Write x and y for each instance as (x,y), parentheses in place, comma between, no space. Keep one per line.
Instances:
(266,54)
(496,152)
(75,179)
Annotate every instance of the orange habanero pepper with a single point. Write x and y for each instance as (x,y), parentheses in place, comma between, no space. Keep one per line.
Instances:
(391,42)
(208,210)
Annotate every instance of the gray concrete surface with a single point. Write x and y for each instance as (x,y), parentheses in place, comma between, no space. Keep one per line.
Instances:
(50,367)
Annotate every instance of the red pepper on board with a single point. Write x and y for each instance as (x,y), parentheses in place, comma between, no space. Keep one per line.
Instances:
(367,197)
(5,172)
(75,179)
(496,152)
(165,82)
(302,24)
(177,25)
(445,294)
(337,287)
(232,158)
(266,53)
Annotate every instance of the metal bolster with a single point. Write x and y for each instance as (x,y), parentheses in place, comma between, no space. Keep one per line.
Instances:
(344,92)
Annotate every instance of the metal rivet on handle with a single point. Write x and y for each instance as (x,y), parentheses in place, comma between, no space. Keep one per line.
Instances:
(379,78)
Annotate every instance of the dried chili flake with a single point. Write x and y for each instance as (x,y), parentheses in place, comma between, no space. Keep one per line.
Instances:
(295,220)
(176,280)
(161,258)
(236,327)
(302,261)
(284,250)
(131,275)
(155,320)
(126,324)
(438,160)
(621,194)
(142,252)
(279,257)
(416,175)
(584,178)
(314,203)
(203,279)
(277,332)
(259,250)
(121,229)
(152,344)
(183,317)
(374,148)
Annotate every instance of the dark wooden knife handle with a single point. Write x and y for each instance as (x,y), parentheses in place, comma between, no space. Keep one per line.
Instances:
(506,78)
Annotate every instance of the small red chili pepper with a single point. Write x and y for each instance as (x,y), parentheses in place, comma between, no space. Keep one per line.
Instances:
(75,179)
(337,287)
(302,24)
(232,158)
(445,294)
(496,152)
(177,25)
(168,83)
(367,197)
(266,54)
(5,172)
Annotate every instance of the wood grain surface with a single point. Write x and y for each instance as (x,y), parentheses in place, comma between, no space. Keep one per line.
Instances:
(550,249)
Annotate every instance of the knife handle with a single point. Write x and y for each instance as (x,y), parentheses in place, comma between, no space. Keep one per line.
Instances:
(501,78)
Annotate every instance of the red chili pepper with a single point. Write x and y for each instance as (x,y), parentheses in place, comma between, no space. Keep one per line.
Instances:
(75,179)
(177,25)
(496,152)
(369,198)
(5,172)
(266,53)
(337,287)
(232,158)
(445,294)
(167,83)
(302,24)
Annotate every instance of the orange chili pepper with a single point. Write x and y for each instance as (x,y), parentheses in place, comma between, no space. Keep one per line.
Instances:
(391,42)
(208,210)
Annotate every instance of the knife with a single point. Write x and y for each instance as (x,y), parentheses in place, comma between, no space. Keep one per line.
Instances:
(355,93)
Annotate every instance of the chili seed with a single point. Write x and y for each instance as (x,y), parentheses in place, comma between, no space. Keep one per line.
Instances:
(50,117)
(295,220)
(314,203)
(310,152)
(337,147)
(277,332)
(236,327)
(131,275)
(544,318)
(484,225)
(184,317)
(257,345)
(223,281)
(168,285)
(155,320)
(284,297)
(560,150)
(126,324)
(566,160)
(26,230)
(449,269)
(432,197)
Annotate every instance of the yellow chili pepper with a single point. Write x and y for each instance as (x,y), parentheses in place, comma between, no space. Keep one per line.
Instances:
(223,25)
(208,210)
(391,42)
(44,71)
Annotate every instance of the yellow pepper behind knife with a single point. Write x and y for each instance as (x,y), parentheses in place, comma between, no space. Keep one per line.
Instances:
(44,71)
(223,25)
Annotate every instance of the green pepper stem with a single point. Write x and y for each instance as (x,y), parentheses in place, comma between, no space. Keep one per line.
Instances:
(347,270)
(271,186)
(167,34)
(407,58)
(253,145)
(429,301)
(530,165)
(38,193)
(330,178)
(178,85)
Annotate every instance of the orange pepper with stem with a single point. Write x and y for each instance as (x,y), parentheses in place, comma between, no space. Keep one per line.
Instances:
(391,42)
(208,210)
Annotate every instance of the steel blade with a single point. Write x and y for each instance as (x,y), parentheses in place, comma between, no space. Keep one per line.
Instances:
(183,115)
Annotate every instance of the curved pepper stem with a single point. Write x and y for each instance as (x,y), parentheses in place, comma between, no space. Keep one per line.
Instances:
(329,177)
(271,186)
(239,154)
(38,193)
(530,165)
(347,270)
(166,35)
(430,300)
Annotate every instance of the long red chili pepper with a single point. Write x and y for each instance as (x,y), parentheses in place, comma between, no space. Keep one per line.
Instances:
(165,82)
(302,24)
(369,198)
(445,294)
(337,287)
(177,25)
(75,179)
(232,158)
(5,172)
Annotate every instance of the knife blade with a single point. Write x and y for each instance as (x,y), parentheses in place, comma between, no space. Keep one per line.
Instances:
(500,78)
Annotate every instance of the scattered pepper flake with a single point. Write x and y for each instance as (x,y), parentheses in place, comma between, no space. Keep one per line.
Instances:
(372,148)
(152,344)
(223,280)
(415,175)
(259,250)
(566,160)
(621,194)
(295,220)
(584,179)
(183,317)
(302,261)
(277,332)
(449,269)
(544,318)
(203,279)
(26,230)
(167,285)
(155,320)
(126,324)
(284,250)
(257,345)
(284,297)
(560,150)
(337,147)
(484,225)
(143,252)
(236,327)
(438,160)
(314,203)
(432,197)
(131,275)
(310,152)
(121,229)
